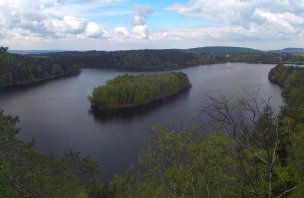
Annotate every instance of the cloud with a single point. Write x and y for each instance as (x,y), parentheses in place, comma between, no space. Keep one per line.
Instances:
(143,10)
(138,20)
(141,31)
(121,31)
(27,19)
(48,19)
(84,1)
(261,19)
(140,28)
(79,22)
(93,30)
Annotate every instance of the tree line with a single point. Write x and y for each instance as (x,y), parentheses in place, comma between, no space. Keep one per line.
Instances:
(17,69)
(268,58)
(169,59)
(135,59)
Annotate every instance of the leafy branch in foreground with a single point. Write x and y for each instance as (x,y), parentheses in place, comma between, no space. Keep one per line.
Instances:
(256,128)
(24,172)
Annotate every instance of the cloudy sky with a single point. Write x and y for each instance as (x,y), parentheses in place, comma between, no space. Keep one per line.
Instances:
(138,24)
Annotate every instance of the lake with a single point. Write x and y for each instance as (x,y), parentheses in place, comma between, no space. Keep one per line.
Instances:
(57,113)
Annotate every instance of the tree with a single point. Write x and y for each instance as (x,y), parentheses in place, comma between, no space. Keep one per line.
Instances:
(255,127)
(179,164)
(24,172)
(3,50)
(16,69)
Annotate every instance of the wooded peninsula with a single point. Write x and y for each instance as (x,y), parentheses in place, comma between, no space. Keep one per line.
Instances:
(129,90)
(19,69)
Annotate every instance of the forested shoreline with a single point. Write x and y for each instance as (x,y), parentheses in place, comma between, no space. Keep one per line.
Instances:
(130,91)
(170,59)
(23,69)
(18,69)
(291,80)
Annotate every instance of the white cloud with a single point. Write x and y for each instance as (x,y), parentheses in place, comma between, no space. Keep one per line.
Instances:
(138,19)
(94,30)
(141,31)
(140,28)
(260,19)
(121,31)
(54,19)
(61,23)
(39,19)
(143,10)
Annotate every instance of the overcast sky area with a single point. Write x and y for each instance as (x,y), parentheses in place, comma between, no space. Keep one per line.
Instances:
(141,24)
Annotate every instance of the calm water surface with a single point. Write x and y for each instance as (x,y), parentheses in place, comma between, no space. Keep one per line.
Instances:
(58,115)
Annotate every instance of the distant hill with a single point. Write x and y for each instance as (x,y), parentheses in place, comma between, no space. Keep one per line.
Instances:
(26,52)
(212,50)
(215,51)
(288,50)
(222,50)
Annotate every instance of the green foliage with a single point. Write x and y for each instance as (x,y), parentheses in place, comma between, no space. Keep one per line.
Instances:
(128,90)
(170,59)
(17,69)
(196,163)
(182,165)
(291,79)
(268,58)
(192,164)
(131,59)
(222,51)
(27,173)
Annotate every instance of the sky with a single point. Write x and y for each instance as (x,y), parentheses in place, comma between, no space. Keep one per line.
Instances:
(155,24)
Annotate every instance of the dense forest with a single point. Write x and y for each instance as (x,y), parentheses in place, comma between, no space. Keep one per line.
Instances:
(135,59)
(291,79)
(222,50)
(170,59)
(268,58)
(129,90)
(18,69)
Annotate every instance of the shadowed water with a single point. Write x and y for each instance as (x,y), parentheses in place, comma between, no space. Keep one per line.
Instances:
(58,114)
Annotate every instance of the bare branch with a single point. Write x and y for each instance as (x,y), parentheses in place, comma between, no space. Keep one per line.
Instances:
(285,192)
